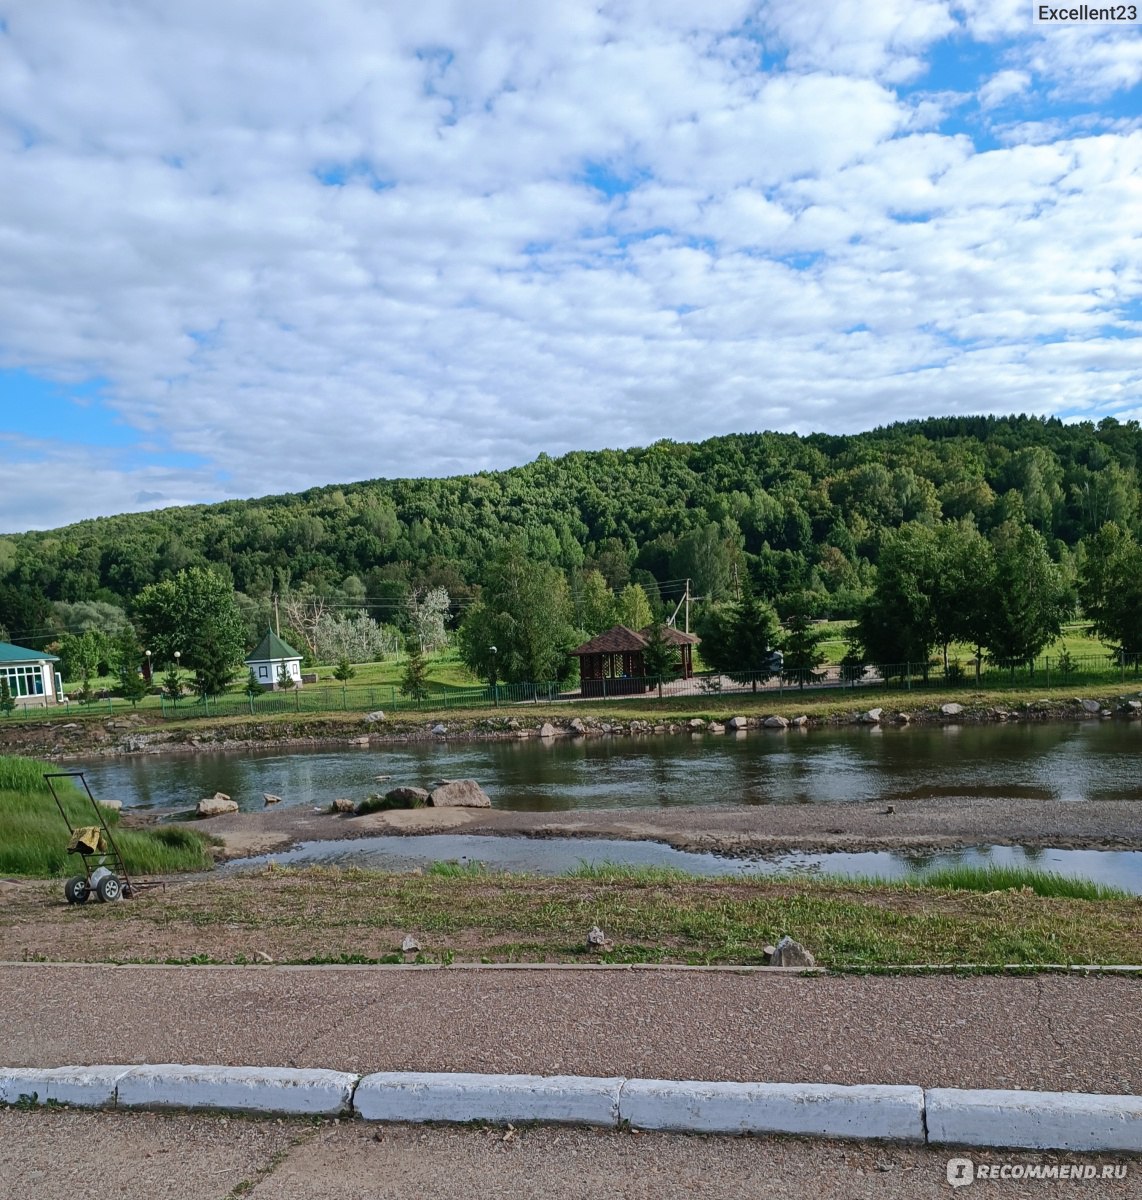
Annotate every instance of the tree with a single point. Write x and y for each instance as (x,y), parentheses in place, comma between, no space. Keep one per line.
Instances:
(414,679)
(304,610)
(285,680)
(195,613)
(525,613)
(253,687)
(132,685)
(660,658)
(634,609)
(344,671)
(802,642)
(896,626)
(82,654)
(596,609)
(172,684)
(739,639)
(1026,603)
(427,613)
(358,638)
(1110,587)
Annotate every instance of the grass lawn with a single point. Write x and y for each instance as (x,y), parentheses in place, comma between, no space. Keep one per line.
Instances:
(33,836)
(461,914)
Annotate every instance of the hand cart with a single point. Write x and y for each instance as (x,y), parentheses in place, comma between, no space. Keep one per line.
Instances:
(104,871)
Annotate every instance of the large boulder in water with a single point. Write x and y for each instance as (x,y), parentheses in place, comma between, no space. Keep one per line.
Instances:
(216,806)
(459,793)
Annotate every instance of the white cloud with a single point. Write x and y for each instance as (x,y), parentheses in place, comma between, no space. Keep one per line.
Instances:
(557,227)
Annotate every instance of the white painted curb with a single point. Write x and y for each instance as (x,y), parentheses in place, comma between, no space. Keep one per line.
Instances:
(1034,1120)
(415,1096)
(83,1087)
(282,1090)
(821,1109)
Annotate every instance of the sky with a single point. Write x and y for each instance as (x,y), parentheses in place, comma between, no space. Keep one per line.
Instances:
(251,248)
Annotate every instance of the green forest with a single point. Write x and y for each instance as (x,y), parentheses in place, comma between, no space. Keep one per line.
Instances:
(805,524)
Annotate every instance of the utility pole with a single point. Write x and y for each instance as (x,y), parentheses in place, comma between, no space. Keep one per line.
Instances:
(687,605)
(277,617)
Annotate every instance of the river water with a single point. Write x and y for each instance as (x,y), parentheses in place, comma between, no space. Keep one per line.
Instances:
(1091,760)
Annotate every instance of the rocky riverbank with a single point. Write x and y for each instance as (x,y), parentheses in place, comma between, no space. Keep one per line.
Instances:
(140,733)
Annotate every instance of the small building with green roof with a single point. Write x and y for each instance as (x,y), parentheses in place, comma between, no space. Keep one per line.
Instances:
(31,675)
(270,657)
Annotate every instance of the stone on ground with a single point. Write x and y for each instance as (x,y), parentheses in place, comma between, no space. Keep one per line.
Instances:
(214,806)
(788,953)
(459,793)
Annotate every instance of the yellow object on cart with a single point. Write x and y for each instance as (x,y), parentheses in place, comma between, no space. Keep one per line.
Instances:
(88,840)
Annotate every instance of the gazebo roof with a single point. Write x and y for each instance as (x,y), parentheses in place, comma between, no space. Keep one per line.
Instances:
(270,647)
(616,640)
(674,635)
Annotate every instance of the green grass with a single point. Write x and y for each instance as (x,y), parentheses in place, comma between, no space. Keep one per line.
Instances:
(999,878)
(457,870)
(33,837)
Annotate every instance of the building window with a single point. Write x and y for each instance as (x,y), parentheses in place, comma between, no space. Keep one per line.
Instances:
(25,681)
(263,673)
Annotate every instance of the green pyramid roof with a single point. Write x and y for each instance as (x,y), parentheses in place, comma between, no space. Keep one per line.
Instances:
(10,653)
(271,646)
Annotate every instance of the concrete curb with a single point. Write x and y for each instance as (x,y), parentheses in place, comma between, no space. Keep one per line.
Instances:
(1034,1120)
(813,1109)
(1077,1121)
(561,1099)
(282,1090)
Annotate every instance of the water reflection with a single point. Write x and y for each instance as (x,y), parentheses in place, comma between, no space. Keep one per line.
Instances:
(1085,761)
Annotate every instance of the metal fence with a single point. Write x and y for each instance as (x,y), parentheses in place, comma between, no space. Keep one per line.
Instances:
(1123,671)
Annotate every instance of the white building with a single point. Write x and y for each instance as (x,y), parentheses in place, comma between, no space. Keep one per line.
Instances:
(31,675)
(268,658)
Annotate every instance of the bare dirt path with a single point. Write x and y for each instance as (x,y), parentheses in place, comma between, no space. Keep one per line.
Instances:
(1044,1032)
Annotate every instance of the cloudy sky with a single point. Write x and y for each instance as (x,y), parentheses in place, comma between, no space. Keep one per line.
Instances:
(252,247)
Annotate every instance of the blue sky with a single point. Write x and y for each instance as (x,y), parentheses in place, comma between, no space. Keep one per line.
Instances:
(255,248)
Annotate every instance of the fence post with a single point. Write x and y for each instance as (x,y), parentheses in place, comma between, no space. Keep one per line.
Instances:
(908,674)
(344,699)
(1047,668)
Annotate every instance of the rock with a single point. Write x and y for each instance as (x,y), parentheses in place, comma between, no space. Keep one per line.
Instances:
(410,945)
(373,717)
(1091,706)
(696,724)
(1134,706)
(672,728)
(951,710)
(512,723)
(214,806)
(660,729)
(221,796)
(737,723)
(775,723)
(270,798)
(359,741)
(872,717)
(547,730)
(596,939)
(788,953)
(439,730)
(769,952)
(406,797)
(716,727)
(577,727)
(342,805)
(459,793)
(1105,712)
(113,805)
(799,722)
(902,718)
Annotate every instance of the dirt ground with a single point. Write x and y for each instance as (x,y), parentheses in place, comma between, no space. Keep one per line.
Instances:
(919,826)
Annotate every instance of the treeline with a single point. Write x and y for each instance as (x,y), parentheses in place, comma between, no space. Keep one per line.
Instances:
(796,516)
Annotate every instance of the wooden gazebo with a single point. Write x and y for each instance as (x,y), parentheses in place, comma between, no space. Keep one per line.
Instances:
(685,643)
(611,663)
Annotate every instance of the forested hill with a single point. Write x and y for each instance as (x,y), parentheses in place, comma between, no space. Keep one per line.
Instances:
(797,512)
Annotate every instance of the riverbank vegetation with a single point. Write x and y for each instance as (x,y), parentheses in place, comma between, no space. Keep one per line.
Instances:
(33,836)
(469,915)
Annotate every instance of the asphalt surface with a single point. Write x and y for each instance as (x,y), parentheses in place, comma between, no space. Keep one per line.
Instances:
(143,1156)
(1057,1033)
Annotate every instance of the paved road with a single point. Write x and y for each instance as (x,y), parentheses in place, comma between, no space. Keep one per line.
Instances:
(1041,1032)
(145,1156)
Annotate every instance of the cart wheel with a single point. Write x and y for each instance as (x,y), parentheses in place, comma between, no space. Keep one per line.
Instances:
(109,888)
(76,890)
